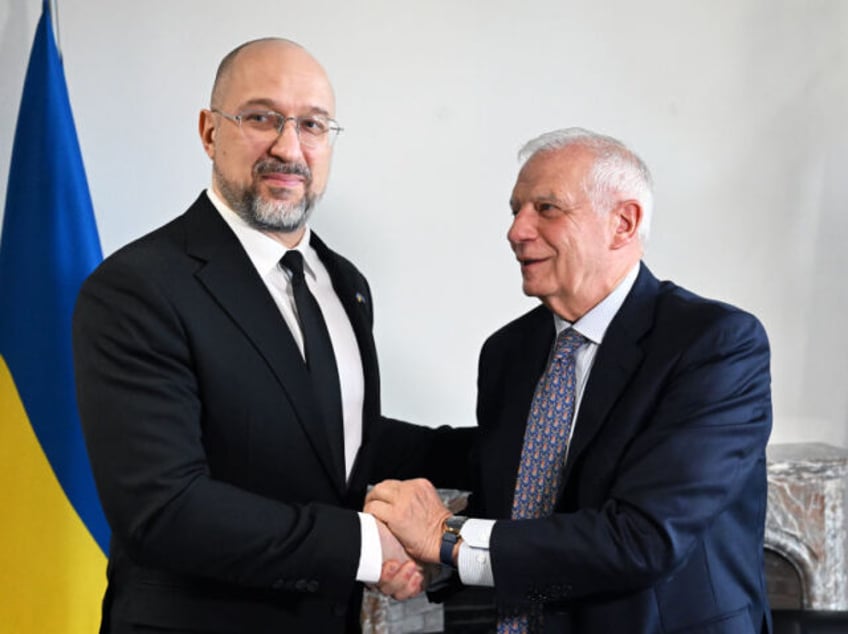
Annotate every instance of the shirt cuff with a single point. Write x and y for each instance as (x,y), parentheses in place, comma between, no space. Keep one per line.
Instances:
(473,562)
(371,553)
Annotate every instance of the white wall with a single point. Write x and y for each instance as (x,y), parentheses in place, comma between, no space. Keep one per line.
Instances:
(738,106)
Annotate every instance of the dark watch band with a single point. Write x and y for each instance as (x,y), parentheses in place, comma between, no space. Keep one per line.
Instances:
(450,536)
(446,550)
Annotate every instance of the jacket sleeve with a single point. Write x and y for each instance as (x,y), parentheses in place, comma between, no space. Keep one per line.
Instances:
(403,451)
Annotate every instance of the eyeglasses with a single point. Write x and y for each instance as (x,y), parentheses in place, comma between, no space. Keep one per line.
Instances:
(312,130)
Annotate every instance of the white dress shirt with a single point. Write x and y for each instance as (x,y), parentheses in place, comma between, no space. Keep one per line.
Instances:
(265,254)
(474,562)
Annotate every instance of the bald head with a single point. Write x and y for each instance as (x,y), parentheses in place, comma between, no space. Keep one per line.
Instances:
(286,53)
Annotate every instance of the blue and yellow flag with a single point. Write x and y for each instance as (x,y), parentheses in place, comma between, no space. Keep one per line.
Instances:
(53,535)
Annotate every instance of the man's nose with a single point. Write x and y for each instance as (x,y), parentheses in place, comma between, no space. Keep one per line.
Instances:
(287,144)
(523,227)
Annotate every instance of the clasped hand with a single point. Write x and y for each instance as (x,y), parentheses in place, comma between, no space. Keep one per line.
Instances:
(410,516)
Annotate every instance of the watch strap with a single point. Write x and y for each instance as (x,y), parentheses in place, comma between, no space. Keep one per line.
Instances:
(446,550)
(450,537)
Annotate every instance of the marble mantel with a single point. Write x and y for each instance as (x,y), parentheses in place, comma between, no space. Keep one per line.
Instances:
(807,519)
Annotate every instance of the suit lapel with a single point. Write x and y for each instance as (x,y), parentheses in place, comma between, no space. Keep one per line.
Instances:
(353,292)
(230,277)
(617,359)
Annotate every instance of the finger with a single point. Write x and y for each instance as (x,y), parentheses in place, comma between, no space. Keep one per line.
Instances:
(394,577)
(389,570)
(413,587)
(379,509)
(406,582)
(385,491)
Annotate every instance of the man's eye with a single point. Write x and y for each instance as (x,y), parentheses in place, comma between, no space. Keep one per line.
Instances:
(259,118)
(313,125)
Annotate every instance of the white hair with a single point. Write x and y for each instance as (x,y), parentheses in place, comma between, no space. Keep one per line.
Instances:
(617,170)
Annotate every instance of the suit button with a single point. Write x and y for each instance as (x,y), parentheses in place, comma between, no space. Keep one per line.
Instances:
(312,586)
(300,586)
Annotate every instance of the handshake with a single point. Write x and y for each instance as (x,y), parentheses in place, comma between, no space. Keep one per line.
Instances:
(410,520)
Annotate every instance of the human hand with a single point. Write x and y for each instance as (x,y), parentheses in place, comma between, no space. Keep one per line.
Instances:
(400,577)
(401,580)
(413,512)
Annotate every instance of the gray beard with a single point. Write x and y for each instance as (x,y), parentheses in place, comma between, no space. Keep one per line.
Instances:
(266,215)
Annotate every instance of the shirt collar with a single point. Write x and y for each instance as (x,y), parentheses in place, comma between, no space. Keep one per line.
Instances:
(593,325)
(263,251)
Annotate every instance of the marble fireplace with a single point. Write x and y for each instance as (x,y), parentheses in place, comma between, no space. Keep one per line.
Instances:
(806,538)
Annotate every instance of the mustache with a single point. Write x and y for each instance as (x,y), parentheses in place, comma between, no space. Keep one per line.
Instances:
(276,166)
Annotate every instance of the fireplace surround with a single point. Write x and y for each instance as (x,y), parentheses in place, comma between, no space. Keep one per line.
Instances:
(806,542)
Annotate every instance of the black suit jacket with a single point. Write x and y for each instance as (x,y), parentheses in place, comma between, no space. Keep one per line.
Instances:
(227,510)
(659,524)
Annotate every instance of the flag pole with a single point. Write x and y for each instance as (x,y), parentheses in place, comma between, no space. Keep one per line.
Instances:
(54,13)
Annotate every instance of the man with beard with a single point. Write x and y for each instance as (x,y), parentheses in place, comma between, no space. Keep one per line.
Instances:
(229,391)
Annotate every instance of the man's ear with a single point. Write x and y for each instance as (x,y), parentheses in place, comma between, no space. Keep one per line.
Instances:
(627,217)
(207,129)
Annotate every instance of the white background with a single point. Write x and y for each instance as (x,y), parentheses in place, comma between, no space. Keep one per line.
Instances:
(740,107)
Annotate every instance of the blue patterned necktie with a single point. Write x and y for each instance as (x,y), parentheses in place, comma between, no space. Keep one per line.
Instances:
(543,453)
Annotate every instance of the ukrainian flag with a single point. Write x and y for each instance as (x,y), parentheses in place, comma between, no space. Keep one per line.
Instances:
(53,535)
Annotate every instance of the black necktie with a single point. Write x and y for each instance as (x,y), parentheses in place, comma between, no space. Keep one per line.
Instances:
(320,360)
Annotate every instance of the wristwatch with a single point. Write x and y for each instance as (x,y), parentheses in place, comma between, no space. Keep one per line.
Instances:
(450,536)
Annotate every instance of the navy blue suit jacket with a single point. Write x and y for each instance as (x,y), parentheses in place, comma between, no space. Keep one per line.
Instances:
(659,523)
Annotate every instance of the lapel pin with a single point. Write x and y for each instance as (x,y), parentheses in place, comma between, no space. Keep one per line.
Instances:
(360,298)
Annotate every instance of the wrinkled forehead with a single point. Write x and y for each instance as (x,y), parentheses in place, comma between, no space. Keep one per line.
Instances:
(558,172)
